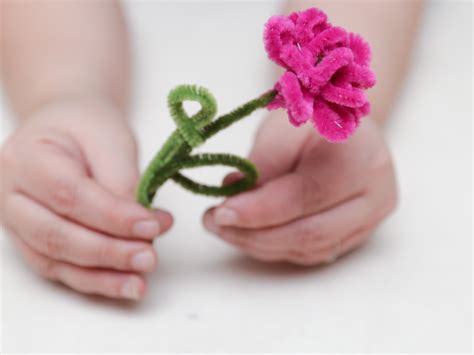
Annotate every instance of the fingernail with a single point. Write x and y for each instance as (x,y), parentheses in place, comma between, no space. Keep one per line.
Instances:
(147,228)
(131,289)
(225,216)
(143,261)
(210,224)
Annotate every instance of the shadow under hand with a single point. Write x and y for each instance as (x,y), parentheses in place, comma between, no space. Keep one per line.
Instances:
(244,264)
(247,266)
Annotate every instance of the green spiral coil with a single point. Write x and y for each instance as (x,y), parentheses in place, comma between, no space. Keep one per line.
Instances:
(191,132)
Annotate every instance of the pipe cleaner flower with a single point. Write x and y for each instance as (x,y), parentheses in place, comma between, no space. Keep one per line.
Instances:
(327,70)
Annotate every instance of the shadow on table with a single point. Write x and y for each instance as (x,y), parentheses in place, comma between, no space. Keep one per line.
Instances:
(243,264)
(225,267)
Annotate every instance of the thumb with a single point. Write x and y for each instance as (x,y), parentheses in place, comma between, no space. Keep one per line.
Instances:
(113,163)
(112,159)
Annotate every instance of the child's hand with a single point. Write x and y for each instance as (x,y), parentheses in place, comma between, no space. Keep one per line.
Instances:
(315,200)
(69,173)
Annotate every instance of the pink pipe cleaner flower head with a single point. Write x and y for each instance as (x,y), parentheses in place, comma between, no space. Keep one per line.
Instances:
(327,71)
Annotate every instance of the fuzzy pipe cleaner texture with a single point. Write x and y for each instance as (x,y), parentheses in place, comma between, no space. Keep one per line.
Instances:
(327,73)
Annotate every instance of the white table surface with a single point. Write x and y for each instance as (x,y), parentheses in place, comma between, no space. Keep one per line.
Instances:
(408,290)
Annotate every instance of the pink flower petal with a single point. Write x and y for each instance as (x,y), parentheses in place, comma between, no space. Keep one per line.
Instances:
(360,48)
(308,24)
(329,39)
(298,102)
(294,17)
(362,111)
(278,33)
(335,123)
(277,102)
(322,73)
(355,75)
(296,59)
(349,97)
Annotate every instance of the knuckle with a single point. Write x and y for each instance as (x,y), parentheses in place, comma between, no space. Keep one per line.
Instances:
(312,193)
(64,194)
(51,240)
(104,255)
(308,235)
(117,217)
(47,268)
(109,255)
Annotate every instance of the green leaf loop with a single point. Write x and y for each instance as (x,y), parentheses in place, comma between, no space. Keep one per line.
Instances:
(190,126)
(192,132)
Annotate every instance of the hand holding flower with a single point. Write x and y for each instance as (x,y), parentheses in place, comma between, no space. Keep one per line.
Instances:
(314,200)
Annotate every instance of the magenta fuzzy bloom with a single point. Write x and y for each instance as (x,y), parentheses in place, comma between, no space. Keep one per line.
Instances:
(327,71)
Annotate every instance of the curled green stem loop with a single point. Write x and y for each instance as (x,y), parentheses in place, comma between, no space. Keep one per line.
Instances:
(190,133)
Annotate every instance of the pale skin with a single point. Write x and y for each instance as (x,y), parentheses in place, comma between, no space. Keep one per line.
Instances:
(70,168)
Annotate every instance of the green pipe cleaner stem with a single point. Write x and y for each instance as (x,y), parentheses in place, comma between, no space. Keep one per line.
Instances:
(190,133)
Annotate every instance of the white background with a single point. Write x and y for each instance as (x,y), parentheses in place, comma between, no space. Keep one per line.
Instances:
(408,290)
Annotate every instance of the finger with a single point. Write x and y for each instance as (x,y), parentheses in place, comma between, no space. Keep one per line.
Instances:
(309,233)
(110,152)
(318,254)
(260,252)
(323,175)
(331,253)
(62,240)
(232,178)
(282,200)
(381,200)
(101,282)
(58,182)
